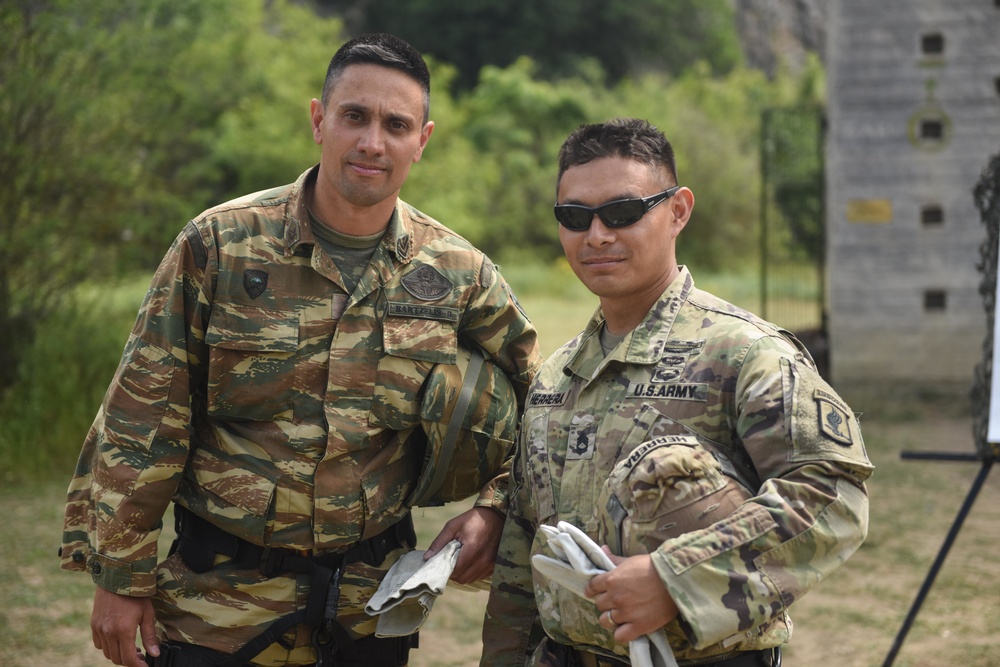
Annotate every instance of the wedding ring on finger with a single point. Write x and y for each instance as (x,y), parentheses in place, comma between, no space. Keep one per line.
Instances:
(610,618)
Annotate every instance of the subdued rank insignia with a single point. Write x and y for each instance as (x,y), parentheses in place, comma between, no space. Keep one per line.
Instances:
(426,283)
(834,422)
(254,282)
(403,246)
(582,438)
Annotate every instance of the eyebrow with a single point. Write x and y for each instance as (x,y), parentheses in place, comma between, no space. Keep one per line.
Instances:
(368,111)
(618,197)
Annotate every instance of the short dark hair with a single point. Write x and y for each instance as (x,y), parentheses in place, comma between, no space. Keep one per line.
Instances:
(384,50)
(631,138)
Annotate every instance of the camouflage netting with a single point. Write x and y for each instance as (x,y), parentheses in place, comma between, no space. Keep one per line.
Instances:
(987,197)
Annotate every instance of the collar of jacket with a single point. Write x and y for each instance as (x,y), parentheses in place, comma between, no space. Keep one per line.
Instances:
(645,343)
(298,232)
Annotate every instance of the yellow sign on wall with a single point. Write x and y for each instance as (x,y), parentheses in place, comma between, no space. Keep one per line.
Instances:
(869,210)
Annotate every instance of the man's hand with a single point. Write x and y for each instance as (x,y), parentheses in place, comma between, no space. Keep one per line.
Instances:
(113,624)
(634,595)
(478,530)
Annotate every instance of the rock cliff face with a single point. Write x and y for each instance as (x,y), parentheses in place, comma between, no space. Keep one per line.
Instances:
(777,33)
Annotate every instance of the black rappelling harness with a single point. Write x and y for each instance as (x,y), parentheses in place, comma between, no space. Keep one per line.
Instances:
(199,541)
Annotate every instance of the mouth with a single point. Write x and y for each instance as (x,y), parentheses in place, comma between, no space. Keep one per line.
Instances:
(367,169)
(601,262)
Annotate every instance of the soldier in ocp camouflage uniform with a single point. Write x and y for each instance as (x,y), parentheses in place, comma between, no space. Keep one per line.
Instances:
(272,387)
(695,440)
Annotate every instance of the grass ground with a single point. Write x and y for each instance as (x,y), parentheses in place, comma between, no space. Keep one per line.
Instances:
(850,620)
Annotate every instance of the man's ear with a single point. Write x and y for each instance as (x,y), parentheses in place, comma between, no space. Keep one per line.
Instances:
(682,205)
(316,114)
(425,134)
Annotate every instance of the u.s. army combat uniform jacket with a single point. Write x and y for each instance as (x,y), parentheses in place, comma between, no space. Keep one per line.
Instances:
(700,399)
(255,392)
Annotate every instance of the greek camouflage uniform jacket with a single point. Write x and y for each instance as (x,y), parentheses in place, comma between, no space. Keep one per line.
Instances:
(255,392)
(723,385)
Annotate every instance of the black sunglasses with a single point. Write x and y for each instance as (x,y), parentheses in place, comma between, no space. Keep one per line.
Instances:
(614,214)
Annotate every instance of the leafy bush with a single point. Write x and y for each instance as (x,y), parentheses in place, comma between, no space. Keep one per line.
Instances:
(120,121)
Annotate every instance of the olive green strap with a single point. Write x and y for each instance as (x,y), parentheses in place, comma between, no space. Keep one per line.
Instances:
(454,426)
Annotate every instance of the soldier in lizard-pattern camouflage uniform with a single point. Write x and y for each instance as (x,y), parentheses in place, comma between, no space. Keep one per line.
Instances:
(261,395)
(692,438)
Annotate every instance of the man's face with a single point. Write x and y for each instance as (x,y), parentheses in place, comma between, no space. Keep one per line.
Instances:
(371,132)
(627,265)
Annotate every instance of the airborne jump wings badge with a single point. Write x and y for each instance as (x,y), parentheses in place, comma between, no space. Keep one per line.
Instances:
(426,283)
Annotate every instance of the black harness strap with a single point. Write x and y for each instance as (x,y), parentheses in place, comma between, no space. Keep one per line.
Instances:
(199,541)
(372,651)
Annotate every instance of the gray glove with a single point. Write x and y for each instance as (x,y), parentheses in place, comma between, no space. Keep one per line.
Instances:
(578,559)
(405,597)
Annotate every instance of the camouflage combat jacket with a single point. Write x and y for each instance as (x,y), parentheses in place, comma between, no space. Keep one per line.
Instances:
(256,392)
(702,374)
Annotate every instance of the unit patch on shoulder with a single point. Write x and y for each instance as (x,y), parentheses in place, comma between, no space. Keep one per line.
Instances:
(426,283)
(487,273)
(834,422)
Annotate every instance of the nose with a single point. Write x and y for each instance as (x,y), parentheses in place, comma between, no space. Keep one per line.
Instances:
(371,141)
(598,233)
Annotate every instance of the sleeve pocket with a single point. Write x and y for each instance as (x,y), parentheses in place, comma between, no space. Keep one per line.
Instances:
(742,527)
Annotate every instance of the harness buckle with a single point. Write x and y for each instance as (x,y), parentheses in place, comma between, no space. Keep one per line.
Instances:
(325,645)
(333,595)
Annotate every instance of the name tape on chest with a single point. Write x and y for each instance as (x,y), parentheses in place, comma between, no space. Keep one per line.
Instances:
(419,311)
(543,399)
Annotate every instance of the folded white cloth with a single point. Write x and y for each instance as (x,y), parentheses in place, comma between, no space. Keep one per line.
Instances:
(578,559)
(408,591)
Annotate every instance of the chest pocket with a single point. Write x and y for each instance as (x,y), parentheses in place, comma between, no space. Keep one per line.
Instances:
(412,346)
(251,364)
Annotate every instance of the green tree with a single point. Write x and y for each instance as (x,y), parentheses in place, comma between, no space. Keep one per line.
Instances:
(713,124)
(491,175)
(121,120)
(62,169)
(624,37)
